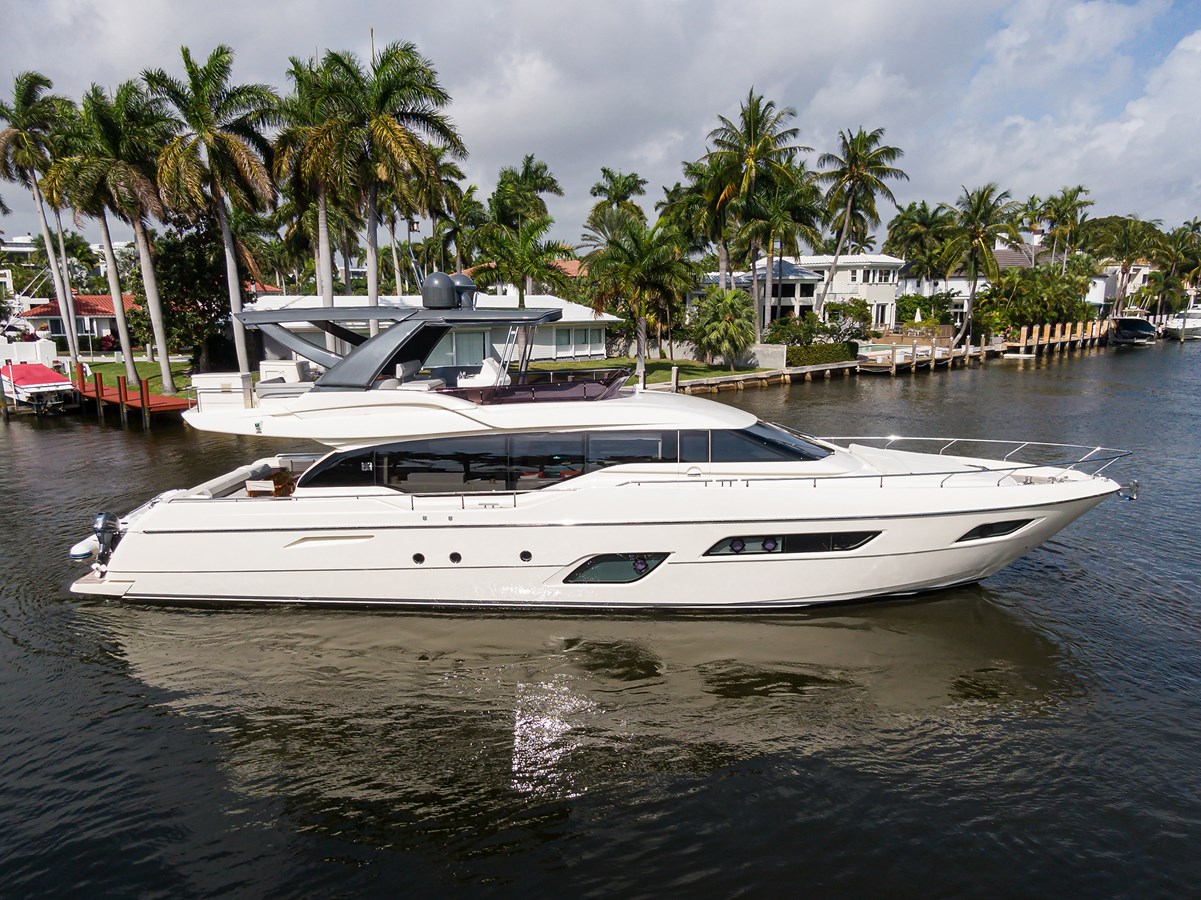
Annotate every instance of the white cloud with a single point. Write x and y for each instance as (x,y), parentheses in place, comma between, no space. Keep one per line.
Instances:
(1032,94)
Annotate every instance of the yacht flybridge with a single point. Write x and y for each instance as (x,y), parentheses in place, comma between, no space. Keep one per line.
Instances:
(494,486)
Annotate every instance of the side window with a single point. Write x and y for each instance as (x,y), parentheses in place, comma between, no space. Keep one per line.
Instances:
(763,443)
(616,448)
(471,463)
(734,446)
(355,469)
(535,459)
(694,446)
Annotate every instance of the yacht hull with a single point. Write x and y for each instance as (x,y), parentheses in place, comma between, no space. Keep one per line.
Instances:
(525,550)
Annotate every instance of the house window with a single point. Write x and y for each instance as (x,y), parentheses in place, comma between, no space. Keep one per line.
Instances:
(459,348)
(854,275)
(562,342)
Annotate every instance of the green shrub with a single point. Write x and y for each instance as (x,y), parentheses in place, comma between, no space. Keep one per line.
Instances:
(820,354)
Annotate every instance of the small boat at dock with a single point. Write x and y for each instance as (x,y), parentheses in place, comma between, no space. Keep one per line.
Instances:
(36,388)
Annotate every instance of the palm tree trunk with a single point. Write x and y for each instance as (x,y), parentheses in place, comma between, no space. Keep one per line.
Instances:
(372,252)
(235,287)
(723,266)
(965,327)
(56,274)
(768,299)
(68,293)
(114,288)
(640,367)
(395,256)
(842,236)
(325,261)
(755,291)
(154,304)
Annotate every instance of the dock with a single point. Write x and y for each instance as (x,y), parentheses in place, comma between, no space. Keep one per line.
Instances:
(125,397)
(1035,340)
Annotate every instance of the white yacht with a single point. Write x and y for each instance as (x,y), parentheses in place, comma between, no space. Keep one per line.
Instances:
(490,488)
(1184,325)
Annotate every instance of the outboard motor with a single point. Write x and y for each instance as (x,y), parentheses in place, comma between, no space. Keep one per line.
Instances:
(439,292)
(107,529)
(465,288)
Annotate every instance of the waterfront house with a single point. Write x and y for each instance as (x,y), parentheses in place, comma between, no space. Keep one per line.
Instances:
(797,283)
(94,315)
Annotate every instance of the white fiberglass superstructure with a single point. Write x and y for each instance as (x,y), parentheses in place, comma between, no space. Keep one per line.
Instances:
(579,494)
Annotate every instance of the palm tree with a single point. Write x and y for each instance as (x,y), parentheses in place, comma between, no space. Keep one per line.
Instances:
(617,190)
(758,148)
(791,212)
(381,119)
(522,255)
(724,323)
(465,216)
(983,217)
(30,119)
(856,176)
(1124,241)
(218,157)
(438,193)
(112,170)
(299,167)
(1068,213)
(697,211)
(518,194)
(917,234)
(639,267)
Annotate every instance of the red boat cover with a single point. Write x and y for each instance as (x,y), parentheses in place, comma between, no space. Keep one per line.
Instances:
(33,375)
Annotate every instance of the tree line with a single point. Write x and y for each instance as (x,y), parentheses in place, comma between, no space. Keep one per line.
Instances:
(279,184)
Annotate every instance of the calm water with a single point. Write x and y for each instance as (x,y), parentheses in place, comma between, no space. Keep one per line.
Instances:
(1033,735)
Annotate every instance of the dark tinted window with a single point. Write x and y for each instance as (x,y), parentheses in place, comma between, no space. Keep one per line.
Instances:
(353,469)
(545,457)
(469,463)
(615,448)
(762,443)
(694,446)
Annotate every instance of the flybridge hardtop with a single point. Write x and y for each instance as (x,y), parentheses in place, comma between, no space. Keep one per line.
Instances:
(384,385)
(411,335)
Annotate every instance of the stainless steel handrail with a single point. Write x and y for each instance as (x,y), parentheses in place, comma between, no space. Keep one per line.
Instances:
(1087,455)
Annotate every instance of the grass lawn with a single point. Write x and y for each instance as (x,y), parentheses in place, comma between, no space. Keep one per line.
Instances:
(657,370)
(148,370)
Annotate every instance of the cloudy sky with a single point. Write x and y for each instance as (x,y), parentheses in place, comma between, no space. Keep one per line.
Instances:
(1031,94)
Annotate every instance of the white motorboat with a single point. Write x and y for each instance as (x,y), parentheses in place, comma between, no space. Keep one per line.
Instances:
(36,387)
(491,489)
(1185,325)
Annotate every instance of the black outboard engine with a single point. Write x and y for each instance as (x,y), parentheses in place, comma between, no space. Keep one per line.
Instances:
(107,529)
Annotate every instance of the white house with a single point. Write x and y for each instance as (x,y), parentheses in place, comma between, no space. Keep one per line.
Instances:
(797,283)
(578,335)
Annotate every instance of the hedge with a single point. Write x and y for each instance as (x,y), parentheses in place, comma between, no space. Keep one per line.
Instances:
(820,354)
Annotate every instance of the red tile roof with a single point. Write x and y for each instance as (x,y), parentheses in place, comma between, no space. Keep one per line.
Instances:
(91,305)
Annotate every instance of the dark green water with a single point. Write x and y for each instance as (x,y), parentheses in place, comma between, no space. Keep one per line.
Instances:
(1034,735)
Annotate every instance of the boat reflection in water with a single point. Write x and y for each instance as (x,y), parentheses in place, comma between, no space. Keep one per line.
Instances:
(445,718)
